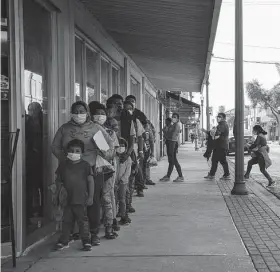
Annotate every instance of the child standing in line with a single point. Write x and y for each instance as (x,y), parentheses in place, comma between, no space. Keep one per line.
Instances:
(77,178)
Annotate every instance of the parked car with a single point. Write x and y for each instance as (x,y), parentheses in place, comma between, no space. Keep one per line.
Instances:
(247,141)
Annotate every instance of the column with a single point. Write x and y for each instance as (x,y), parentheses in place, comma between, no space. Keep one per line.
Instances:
(239,184)
(126,76)
(98,84)
(207,105)
(142,95)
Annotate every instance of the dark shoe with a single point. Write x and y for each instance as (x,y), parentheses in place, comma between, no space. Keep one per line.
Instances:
(165,179)
(271,185)
(140,194)
(116,226)
(246,176)
(150,182)
(179,179)
(87,246)
(109,233)
(131,210)
(209,176)
(145,187)
(225,177)
(61,246)
(76,236)
(95,240)
(125,220)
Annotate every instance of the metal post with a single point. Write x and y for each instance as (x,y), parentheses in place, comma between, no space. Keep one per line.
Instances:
(207,105)
(239,184)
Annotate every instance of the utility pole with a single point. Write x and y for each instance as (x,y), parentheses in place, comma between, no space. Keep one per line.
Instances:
(239,184)
(207,104)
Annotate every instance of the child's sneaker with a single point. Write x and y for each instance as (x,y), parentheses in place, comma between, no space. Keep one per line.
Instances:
(61,246)
(109,233)
(95,240)
(87,247)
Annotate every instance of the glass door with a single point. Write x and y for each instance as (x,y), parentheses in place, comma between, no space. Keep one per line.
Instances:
(37,78)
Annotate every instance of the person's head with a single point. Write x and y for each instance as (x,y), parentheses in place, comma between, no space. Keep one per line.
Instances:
(168,121)
(79,112)
(117,100)
(221,117)
(111,108)
(128,106)
(98,112)
(132,99)
(75,149)
(257,129)
(122,146)
(34,109)
(175,117)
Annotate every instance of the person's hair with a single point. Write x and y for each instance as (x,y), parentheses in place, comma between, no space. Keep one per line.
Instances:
(128,103)
(116,96)
(177,114)
(259,129)
(168,119)
(94,106)
(222,114)
(110,102)
(130,96)
(122,141)
(78,103)
(76,142)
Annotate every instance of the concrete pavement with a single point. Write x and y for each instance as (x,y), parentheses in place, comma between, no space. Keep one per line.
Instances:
(176,227)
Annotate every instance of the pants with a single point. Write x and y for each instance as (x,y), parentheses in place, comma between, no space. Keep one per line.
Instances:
(121,192)
(130,190)
(94,209)
(146,167)
(172,148)
(258,160)
(108,201)
(219,155)
(77,213)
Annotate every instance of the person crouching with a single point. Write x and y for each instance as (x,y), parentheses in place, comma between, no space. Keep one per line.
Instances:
(76,177)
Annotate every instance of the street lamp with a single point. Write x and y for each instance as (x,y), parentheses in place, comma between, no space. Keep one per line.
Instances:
(202,113)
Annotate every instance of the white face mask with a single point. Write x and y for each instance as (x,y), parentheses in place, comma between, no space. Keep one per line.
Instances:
(121,149)
(74,156)
(130,112)
(174,120)
(134,105)
(79,118)
(100,119)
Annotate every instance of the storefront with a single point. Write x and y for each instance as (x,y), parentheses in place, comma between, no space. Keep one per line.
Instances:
(53,53)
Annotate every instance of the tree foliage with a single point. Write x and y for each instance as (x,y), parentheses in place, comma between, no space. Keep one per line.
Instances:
(263,97)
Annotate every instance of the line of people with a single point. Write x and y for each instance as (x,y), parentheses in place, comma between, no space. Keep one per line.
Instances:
(91,177)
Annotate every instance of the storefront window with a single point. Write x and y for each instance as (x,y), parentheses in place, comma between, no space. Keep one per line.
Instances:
(104,80)
(78,69)
(115,80)
(91,64)
(37,55)
(135,90)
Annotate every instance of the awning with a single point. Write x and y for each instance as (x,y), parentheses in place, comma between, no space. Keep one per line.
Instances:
(170,40)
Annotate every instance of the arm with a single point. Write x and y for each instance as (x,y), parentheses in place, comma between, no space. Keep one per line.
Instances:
(56,147)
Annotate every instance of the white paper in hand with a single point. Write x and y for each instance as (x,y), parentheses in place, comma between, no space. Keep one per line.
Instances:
(101,141)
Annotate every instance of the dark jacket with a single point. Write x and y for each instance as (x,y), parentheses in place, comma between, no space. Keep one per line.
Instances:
(223,132)
(137,114)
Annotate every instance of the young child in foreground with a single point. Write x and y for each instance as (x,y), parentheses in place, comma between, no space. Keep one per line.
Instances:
(77,178)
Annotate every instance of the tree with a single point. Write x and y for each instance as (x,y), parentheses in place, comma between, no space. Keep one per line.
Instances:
(265,98)
(222,108)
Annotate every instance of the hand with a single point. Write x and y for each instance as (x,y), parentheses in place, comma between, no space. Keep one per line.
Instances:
(89,201)
(141,155)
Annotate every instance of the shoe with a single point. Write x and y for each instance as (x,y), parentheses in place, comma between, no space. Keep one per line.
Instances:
(76,236)
(140,194)
(115,225)
(165,178)
(109,233)
(225,177)
(145,187)
(150,182)
(209,176)
(179,179)
(131,210)
(246,176)
(87,247)
(271,185)
(61,246)
(125,220)
(95,240)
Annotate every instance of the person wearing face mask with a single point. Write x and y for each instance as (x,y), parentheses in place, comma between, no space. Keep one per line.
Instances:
(76,177)
(172,135)
(82,128)
(220,146)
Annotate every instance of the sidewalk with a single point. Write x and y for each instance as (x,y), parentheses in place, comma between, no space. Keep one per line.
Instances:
(176,227)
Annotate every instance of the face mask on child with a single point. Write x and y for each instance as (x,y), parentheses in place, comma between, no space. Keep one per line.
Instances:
(121,149)
(74,156)
(79,118)
(100,119)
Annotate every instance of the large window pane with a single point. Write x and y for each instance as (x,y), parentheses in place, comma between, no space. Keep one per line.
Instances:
(91,63)
(135,90)
(115,80)
(104,81)
(37,56)
(78,69)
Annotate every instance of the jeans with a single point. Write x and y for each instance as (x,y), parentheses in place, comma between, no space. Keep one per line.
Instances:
(108,201)
(77,213)
(146,167)
(219,155)
(258,160)
(172,148)
(130,190)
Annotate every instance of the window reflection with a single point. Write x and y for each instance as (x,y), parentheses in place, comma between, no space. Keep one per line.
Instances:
(104,81)
(78,69)
(91,64)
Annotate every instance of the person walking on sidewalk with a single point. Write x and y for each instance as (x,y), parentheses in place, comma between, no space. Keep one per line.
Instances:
(260,155)
(220,148)
(172,148)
